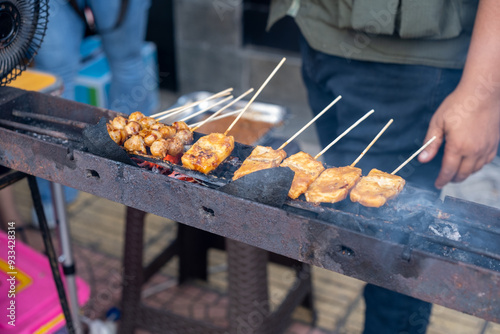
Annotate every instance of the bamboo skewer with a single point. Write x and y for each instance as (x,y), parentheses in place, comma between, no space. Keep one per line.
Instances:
(212,117)
(193,104)
(255,95)
(310,122)
(414,155)
(372,142)
(206,109)
(344,133)
(197,125)
(176,112)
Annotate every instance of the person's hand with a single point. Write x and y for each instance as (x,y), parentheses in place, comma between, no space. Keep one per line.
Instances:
(468,122)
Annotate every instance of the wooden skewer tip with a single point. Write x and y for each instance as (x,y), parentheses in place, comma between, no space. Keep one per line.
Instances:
(414,155)
(195,103)
(212,117)
(256,94)
(372,142)
(344,133)
(310,122)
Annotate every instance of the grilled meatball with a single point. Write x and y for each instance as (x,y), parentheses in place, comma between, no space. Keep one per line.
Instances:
(159,148)
(136,116)
(175,146)
(119,122)
(156,126)
(146,122)
(151,137)
(116,136)
(180,126)
(185,136)
(167,131)
(135,144)
(132,128)
(144,133)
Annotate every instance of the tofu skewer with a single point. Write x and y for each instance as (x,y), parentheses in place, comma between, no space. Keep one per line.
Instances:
(334,184)
(375,189)
(211,150)
(208,152)
(307,169)
(264,157)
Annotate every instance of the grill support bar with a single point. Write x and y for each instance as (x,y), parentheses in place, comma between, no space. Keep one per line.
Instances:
(344,243)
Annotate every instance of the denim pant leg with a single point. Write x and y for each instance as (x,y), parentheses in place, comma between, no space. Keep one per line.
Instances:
(409,95)
(391,312)
(60,55)
(132,87)
(60,50)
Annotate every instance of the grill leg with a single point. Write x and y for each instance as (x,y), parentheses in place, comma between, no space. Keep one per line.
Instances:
(247,290)
(192,253)
(132,269)
(308,301)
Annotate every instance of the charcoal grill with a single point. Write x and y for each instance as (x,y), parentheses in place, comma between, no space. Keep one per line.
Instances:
(445,253)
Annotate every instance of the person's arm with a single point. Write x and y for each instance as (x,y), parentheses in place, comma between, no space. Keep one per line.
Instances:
(468,120)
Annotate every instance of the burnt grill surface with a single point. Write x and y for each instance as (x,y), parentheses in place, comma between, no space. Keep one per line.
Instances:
(443,252)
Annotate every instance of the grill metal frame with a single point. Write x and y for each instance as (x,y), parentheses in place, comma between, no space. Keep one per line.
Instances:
(461,275)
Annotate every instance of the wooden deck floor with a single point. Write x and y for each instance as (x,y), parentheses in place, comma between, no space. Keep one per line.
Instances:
(97,227)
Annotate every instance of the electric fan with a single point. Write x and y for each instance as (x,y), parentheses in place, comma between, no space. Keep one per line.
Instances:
(22,28)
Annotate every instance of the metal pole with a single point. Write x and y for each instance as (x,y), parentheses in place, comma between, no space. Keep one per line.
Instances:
(49,248)
(66,257)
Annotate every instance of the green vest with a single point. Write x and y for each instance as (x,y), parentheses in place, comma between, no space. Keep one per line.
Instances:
(422,32)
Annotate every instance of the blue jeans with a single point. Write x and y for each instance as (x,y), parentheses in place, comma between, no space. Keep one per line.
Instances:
(410,95)
(131,86)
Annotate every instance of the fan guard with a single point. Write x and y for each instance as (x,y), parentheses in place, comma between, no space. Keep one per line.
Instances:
(22,28)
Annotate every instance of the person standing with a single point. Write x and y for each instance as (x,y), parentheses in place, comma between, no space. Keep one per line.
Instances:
(432,66)
(121,26)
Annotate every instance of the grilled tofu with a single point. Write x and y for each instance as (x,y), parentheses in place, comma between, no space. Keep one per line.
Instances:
(375,189)
(306,169)
(208,152)
(333,185)
(262,157)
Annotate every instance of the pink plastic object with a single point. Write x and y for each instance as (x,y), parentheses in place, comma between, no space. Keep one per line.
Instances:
(36,302)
